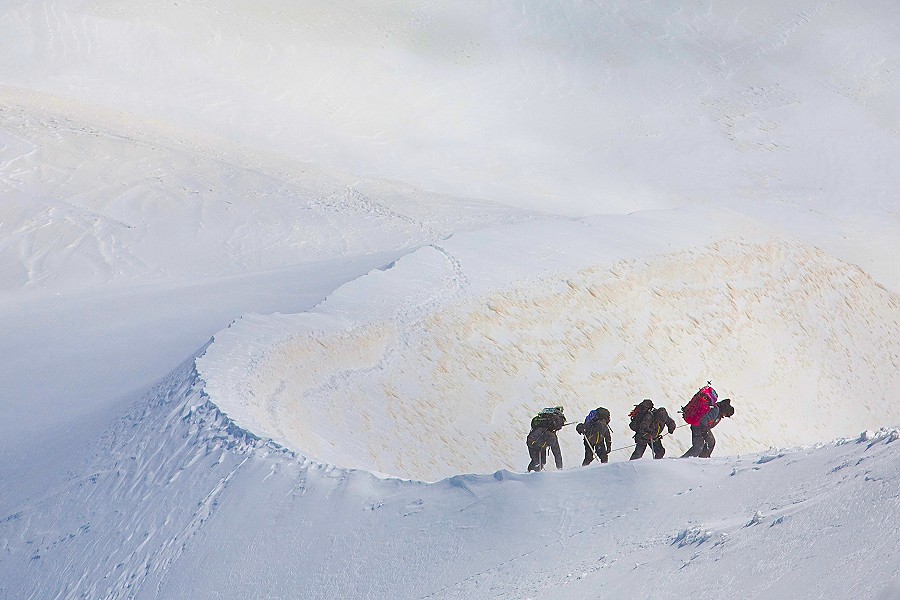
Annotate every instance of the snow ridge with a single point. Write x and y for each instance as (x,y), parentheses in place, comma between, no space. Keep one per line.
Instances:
(153,486)
(147,488)
(440,381)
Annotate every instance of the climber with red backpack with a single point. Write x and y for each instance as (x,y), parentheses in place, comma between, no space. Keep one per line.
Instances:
(649,425)
(703,412)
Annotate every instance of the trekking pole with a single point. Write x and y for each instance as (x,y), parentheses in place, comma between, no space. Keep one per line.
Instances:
(593,449)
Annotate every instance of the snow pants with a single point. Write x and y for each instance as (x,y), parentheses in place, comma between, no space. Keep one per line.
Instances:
(640,445)
(538,442)
(600,450)
(702,442)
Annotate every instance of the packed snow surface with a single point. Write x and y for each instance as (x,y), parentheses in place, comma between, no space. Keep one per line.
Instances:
(377,237)
(175,502)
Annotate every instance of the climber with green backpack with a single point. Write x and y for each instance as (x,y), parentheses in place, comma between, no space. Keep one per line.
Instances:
(597,437)
(543,434)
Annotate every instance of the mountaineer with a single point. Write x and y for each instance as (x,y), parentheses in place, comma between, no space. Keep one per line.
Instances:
(543,434)
(597,438)
(705,413)
(649,425)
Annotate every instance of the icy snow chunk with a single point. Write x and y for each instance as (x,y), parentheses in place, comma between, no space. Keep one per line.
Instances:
(769,457)
(692,536)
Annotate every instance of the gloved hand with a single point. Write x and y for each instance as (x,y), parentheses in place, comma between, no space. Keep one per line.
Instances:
(671,430)
(580,428)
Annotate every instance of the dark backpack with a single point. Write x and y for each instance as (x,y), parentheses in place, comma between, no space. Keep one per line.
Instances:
(725,408)
(594,424)
(598,414)
(548,418)
(640,411)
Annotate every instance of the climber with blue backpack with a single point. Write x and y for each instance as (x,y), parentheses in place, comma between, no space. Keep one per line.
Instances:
(543,435)
(703,412)
(597,438)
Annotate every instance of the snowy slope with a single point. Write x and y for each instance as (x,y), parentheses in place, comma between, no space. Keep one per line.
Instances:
(431,379)
(424,221)
(99,198)
(175,502)
(580,106)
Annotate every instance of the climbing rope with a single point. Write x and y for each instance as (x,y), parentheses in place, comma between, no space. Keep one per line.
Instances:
(633,445)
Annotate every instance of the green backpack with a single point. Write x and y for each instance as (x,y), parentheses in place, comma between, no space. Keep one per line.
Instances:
(549,418)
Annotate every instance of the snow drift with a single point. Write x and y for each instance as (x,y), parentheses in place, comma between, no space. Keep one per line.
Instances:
(807,347)
(175,501)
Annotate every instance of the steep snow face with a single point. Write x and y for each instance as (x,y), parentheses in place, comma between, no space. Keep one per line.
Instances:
(132,504)
(807,347)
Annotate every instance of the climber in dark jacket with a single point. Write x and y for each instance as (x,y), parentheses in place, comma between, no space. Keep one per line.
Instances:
(542,435)
(702,439)
(597,437)
(650,432)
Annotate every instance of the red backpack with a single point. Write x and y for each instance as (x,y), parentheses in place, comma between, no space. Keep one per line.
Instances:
(699,405)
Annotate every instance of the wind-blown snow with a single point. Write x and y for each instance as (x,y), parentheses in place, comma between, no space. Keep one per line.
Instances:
(424,222)
(436,384)
(174,501)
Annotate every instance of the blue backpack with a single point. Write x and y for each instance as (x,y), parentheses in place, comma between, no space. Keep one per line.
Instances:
(598,414)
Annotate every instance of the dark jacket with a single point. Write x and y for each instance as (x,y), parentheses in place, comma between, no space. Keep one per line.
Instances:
(712,418)
(653,424)
(595,432)
(543,430)
(540,437)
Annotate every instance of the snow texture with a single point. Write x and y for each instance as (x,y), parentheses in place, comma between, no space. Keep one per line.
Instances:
(281,285)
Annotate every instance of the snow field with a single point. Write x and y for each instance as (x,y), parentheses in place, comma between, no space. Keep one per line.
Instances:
(97,199)
(576,108)
(575,203)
